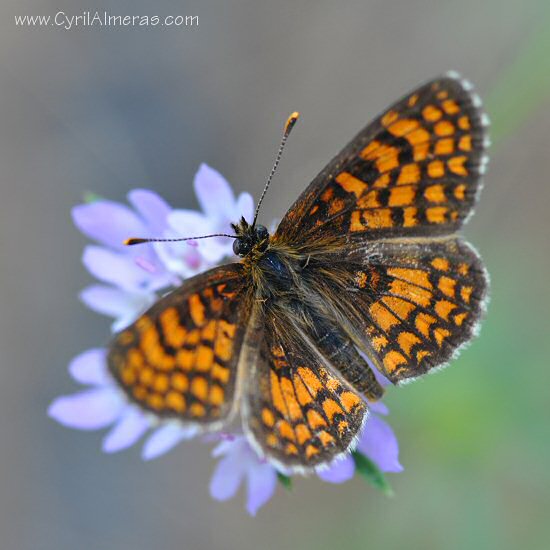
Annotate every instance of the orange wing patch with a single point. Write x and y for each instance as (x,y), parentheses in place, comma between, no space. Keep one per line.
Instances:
(179,358)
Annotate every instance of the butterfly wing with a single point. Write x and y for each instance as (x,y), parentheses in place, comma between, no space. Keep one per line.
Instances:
(413,171)
(409,305)
(296,411)
(180,359)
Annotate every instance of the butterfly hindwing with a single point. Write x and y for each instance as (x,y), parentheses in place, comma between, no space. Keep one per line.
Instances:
(295,411)
(409,305)
(414,171)
(428,303)
(179,359)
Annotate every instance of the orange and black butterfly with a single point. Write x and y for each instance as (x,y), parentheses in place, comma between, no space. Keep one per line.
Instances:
(368,258)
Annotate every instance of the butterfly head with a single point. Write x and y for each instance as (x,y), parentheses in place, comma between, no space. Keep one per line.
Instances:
(249,238)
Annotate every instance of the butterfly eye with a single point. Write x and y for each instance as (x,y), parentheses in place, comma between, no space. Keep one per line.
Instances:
(241,247)
(237,246)
(262,232)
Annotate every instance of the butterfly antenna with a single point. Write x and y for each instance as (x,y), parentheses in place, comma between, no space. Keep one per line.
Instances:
(133,241)
(291,121)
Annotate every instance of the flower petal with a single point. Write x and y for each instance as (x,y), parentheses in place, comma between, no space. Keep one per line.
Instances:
(225,447)
(125,306)
(227,477)
(108,222)
(90,367)
(88,410)
(151,207)
(378,407)
(339,472)
(213,192)
(164,439)
(379,443)
(245,207)
(180,259)
(131,425)
(115,268)
(262,481)
(189,223)
(215,249)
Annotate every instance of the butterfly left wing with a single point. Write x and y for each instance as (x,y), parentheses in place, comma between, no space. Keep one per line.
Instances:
(180,359)
(413,171)
(296,412)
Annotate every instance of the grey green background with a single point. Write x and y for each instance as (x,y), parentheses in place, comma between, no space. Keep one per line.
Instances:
(108,110)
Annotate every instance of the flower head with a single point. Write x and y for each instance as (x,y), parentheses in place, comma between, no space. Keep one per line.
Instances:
(130,280)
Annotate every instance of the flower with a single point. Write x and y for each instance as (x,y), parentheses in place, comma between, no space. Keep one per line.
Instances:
(103,405)
(130,280)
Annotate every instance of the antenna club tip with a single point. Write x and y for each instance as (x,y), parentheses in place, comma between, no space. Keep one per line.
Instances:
(131,242)
(291,121)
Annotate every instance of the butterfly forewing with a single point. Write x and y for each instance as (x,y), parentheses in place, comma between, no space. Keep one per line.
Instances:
(179,359)
(413,171)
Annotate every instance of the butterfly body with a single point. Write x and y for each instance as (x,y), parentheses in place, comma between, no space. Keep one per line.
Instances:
(365,264)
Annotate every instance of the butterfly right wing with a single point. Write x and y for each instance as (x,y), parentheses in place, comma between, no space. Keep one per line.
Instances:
(181,358)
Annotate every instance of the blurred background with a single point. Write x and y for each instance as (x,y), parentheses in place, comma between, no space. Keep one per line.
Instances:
(108,110)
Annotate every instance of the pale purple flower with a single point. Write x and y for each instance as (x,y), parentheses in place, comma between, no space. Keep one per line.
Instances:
(130,280)
(110,224)
(130,276)
(123,305)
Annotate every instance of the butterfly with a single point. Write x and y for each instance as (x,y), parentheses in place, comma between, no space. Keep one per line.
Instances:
(366,263)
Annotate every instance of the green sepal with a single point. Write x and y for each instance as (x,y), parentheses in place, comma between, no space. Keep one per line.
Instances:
(91,197)
(285,481)
(370,471)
